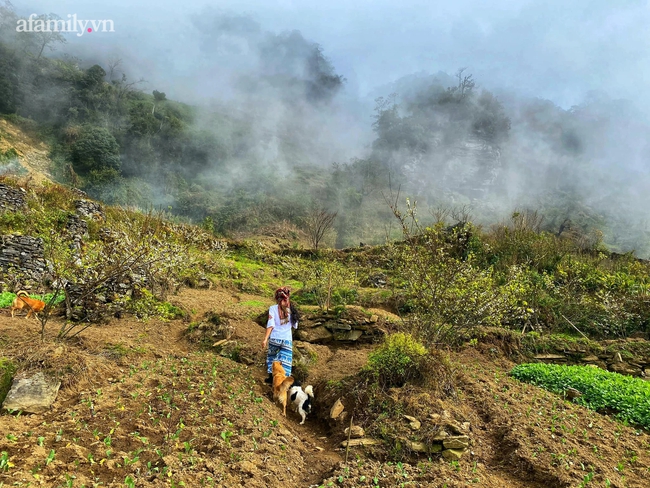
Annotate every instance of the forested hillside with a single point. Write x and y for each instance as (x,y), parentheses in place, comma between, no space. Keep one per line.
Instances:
(269,153)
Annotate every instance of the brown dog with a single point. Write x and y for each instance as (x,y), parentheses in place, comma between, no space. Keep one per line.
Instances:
(22,300)
(281,384)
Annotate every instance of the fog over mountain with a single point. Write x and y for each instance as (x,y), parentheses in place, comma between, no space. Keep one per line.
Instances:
(564,78)
(548,49)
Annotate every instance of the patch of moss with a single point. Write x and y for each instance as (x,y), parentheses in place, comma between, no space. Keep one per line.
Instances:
(252,303)
(120,350)
(629,349)
(534,342)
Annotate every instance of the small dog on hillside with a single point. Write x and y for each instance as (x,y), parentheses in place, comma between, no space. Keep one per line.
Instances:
(281,384)
(302,399)
(22,300)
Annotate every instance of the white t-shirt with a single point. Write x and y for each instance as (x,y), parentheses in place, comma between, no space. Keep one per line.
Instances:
(280,331)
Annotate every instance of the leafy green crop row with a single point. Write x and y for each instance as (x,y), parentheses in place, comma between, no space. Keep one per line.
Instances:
(629,397)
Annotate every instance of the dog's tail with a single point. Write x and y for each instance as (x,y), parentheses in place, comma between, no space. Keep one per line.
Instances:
(309,390)
(22,292)
(288,381)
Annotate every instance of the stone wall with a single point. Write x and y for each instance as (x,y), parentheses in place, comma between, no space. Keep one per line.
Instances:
(21,260)
(90,209)
(625,356)
(12,198)
(22,263)
(352,325)
(21,257)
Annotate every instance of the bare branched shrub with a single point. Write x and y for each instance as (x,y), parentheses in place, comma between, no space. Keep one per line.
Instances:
(327,283)
(462,214)
(527,221)
(440,214)
(132,256)
(317,223)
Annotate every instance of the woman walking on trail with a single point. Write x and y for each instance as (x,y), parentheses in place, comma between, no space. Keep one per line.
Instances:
(283,317)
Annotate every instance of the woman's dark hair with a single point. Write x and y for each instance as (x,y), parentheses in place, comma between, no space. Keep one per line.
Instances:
(295,315)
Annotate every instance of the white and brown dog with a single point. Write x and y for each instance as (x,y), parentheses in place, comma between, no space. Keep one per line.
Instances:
(302,399)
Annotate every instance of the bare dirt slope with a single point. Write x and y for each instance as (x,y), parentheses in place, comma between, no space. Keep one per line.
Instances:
(33,155)
(140,405)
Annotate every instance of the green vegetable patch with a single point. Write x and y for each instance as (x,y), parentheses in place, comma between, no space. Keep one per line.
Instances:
(627,397)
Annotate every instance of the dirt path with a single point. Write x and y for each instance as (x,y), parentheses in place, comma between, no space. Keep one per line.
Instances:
(325,454)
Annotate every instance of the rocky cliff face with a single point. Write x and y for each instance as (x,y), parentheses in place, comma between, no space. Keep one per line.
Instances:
(472,167)
(468,167)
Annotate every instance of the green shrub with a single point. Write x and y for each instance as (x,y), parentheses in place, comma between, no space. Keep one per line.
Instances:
(345,296)
(446,290)
(398,360)
(149,306)
(629,397)
(48,296)
(8,156)
(95,149)
(12,222)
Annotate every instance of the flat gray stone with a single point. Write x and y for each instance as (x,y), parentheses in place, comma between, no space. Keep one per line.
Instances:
(33,394)
(353,335)
(362,442)
(550,357)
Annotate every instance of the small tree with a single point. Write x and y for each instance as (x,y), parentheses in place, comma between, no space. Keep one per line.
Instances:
(157,97)
(318,222)
(326,280)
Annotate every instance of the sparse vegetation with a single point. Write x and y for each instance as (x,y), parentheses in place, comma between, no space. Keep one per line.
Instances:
(326,283)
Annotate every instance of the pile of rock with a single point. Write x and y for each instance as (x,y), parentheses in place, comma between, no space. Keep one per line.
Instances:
(451,440)
(89,209)
(376,281)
